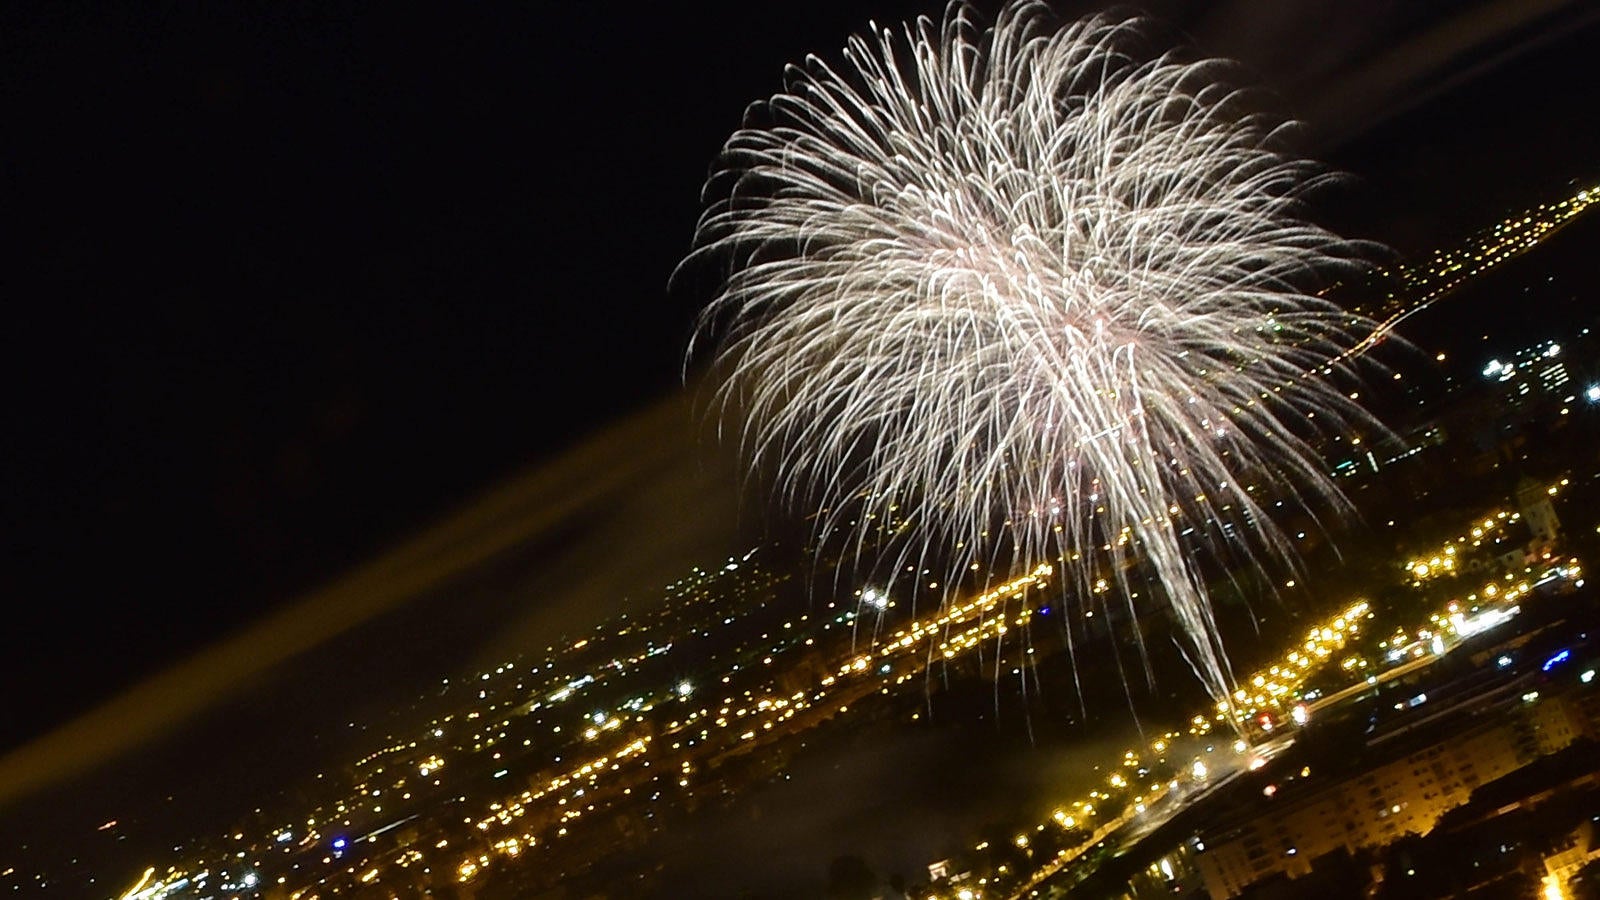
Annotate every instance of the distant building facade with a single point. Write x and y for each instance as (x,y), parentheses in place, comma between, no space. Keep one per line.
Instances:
(1379,805)
(1533,501)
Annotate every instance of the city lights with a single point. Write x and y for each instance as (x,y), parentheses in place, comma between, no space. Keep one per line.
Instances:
(1089,526)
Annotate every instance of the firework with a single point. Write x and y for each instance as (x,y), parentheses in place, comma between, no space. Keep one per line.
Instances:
(1038,293)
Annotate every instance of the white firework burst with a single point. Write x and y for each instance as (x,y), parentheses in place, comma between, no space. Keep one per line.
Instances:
(1045,295)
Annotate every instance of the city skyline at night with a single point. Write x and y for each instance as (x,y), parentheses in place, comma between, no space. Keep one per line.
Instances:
(728,664)
(373,537)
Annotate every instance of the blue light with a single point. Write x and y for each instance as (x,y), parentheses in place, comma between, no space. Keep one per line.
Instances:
(338,843)
(1554,661)
(1044,611)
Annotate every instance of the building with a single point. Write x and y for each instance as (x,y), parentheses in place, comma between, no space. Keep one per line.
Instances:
(1405,793)
(1579,848)
(1533,372)
(1533,501)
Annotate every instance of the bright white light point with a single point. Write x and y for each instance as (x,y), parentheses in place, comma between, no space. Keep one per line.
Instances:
(250,880)
(1199,770)
(1593,393)
(685,688)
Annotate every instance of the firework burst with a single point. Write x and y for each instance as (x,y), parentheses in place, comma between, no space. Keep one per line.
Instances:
(1041,294)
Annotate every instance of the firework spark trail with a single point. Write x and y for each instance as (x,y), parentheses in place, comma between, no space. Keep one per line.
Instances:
(1039,290)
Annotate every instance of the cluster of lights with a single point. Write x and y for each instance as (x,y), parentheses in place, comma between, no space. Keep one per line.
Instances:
(1446,560)
(1275,687)
(503,694)
(957,628)
(1263,696)
(1491,604)
(535,817)
(1131,778)
(1447,270)
(1442,563)
(567,790)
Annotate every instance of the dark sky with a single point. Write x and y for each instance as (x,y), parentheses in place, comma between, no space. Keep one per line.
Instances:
(286,285)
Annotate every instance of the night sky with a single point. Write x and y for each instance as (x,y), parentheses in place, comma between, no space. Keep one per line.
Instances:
(285,287)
